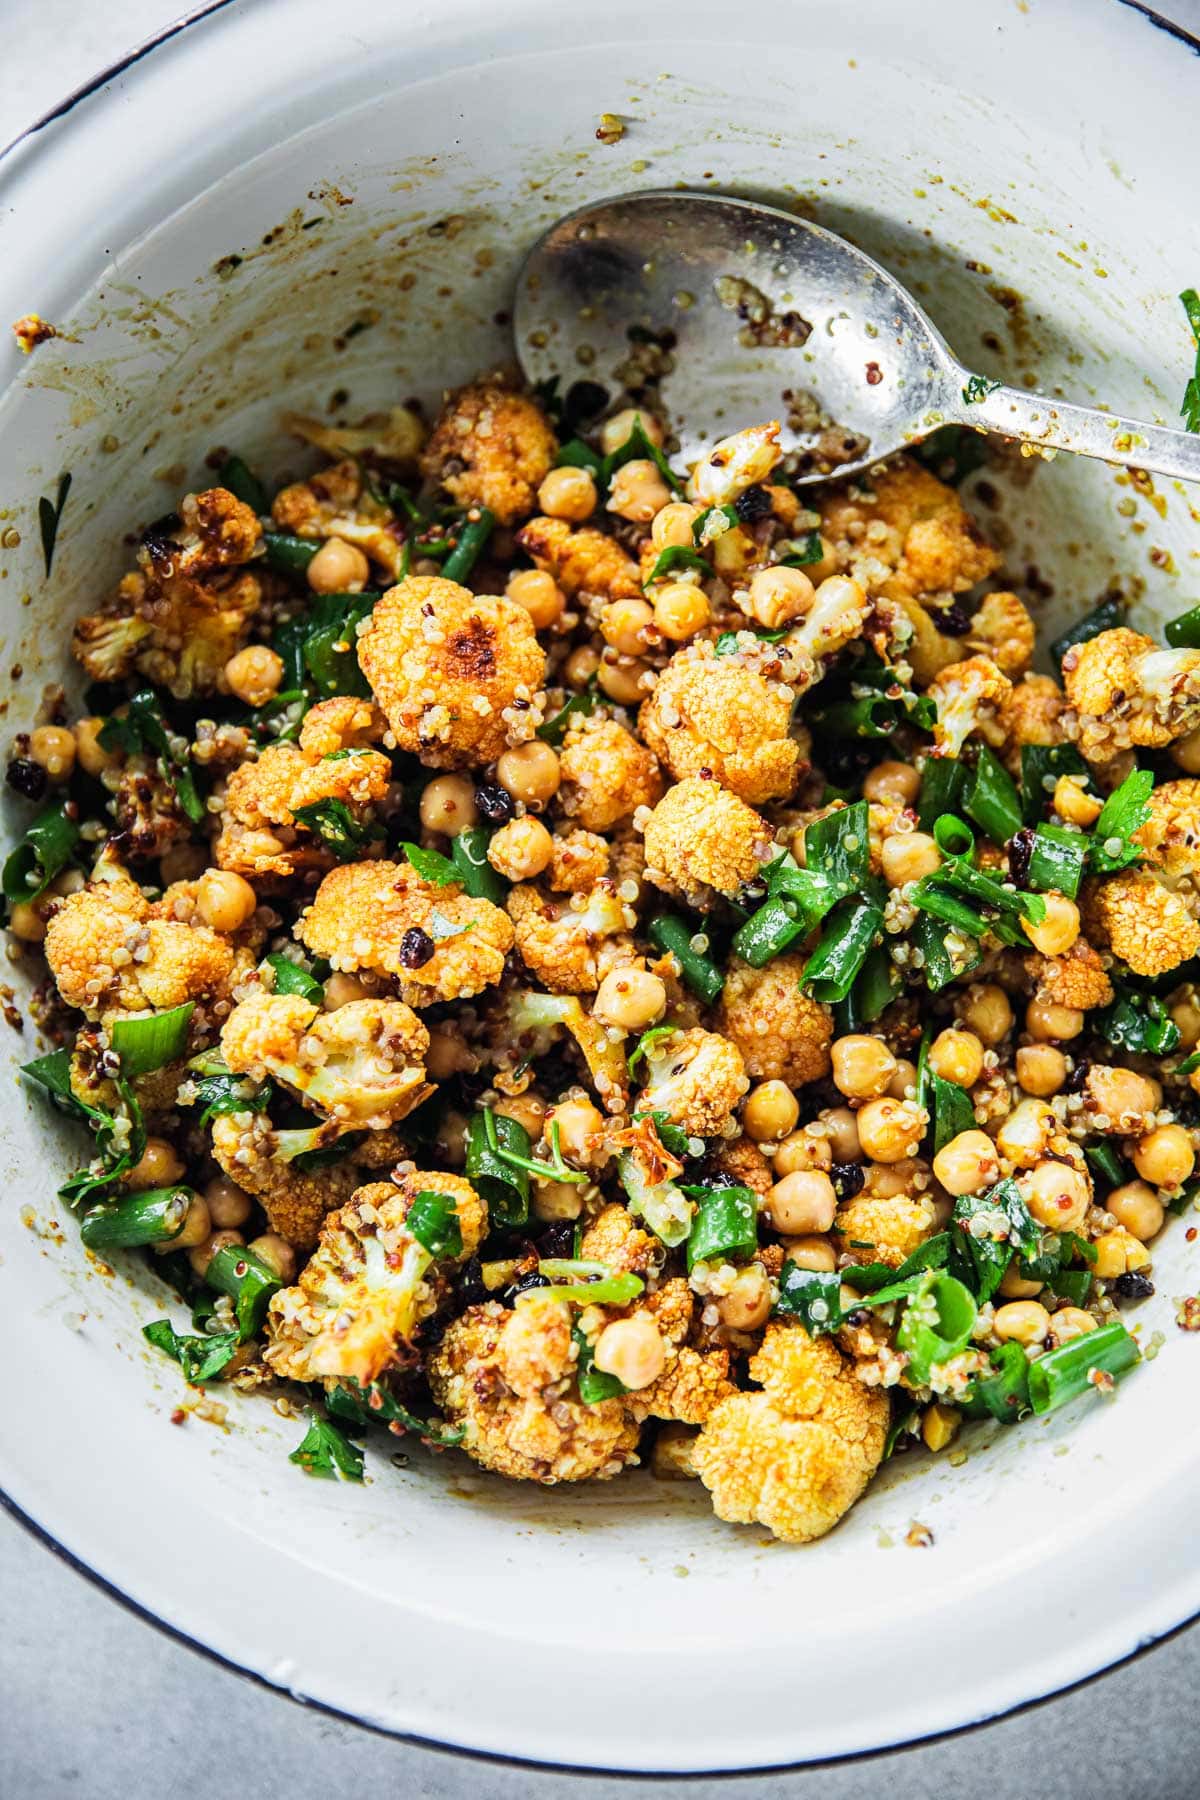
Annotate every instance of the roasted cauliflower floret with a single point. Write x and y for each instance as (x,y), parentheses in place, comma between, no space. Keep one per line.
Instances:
(491,447)
(570,945)
(549,1436)
(364,1291)
(968,695)
(694,1379)
(108,953)
(343,723)
(606,774)
(1125,691)
(361,1065)
(334,503)
(1170,838)
(736,463)
(456,674)
(1141,922)
(781,1033)
(437,942)
(796,1456)
(701,839)
(1075,978)
(1003,630)
(1031,714)
(697,1078)
(582,560)
(720,714)
(894,1225)
(914,524)
(258,1158)
(186,610)
(615,1237)
(522,1025)
(260,836)
(578,861)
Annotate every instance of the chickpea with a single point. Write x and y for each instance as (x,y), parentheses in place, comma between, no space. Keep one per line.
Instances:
(892,781)
(53,748)
(341,989)
(778,595)
(158,1166)
(448,805)
(800,1150)
(1015,1286)
(568,493)
(957,1056)
(254,674)
(770,1112)
(338,568)
(967,1164)
(228,1204)
(539,594)
(1024,1137)
(1057,1195)
(1058,930)
(632,1350)
(276,1252)
(224,901)
(811,1252)
(26,922)
(1073,804)
(616,432)
(672,527)
(201,1254)
(1186,752)
(890,1130)
(623,624)
(196,1226)
(1022,1322)
(637,491)
(581,665)
(748,1303)
(1186,1014)
(907,856)
(521,849)
(182,862)
(1041,1069)
(1049,1022)
(530,773)
(1118,1253)
(1165,1157)
(528,1109)
(448,1054)
(551,1201)
(985,1011)
(802,1202)
(580,1126)
(681,609)
(93,757)
(903,1085)
(844,1140)
(623,682)
(1070,1322)
(862,1066)
(1138,1208)
(630,999)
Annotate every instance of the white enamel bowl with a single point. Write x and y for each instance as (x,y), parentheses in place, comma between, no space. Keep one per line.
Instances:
(1028,171)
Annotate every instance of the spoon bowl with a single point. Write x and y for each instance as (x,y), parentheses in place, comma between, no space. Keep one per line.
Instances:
(716,312)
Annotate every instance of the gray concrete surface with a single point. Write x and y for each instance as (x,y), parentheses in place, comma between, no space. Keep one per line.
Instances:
(95,1704)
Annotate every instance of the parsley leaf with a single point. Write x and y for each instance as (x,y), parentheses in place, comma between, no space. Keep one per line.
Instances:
(335,825)
(201,1358)
(1190,410)
(431,865)
(1124,812)
(326,1451)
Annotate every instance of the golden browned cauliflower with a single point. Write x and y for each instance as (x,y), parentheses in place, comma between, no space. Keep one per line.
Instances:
(260,836)
(729,716)
(694,1379)
(179,618)
(365,915)
(701,839)
(968,696)
(615,1237)
(606,774)
(894,1225)
(796,1456)
(456,674)
(914,524)
(1077,977)
(582,560)
(1125,691)
(491,447)
(1003,630)
(570,945)
(697,1078)
(361,1065)
(1170,838)
(108,953)
(546,1435)
(256,1156)
(781,1033)
(1031,714)
(343,723)
(578,861)
(1140,921)
(362,1294)
(334,503)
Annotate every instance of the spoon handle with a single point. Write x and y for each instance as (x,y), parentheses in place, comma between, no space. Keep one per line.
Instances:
(1055,425)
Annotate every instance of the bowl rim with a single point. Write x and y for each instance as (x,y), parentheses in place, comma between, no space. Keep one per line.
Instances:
(45,130)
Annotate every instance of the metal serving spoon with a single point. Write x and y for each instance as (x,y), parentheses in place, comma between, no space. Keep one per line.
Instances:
(736,313)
